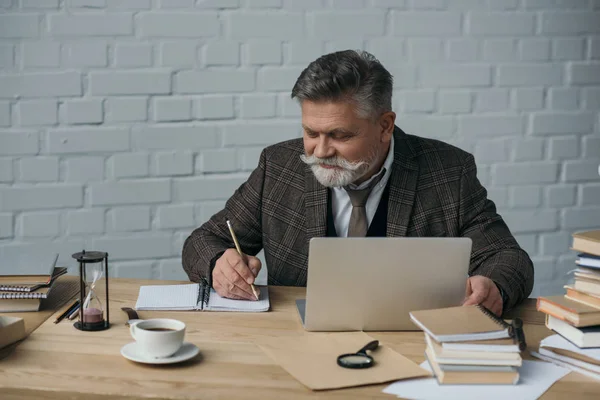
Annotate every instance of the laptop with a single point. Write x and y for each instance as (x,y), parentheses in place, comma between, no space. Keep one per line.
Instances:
(371,284)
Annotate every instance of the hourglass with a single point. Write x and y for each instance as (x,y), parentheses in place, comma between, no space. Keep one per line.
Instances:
(93,291)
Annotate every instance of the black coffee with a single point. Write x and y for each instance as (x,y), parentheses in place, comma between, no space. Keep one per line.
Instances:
(160,329)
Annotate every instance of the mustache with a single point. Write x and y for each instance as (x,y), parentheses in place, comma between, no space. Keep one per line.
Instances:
(332,161)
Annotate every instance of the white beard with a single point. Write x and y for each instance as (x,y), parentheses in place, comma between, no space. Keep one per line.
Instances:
(347,172)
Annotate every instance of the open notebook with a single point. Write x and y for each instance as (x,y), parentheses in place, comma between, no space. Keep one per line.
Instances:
(195,296)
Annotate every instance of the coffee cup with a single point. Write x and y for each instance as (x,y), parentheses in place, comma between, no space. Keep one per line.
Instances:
(158,338)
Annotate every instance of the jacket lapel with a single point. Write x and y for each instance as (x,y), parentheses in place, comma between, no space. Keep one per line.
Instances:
(403,184)
(315,200)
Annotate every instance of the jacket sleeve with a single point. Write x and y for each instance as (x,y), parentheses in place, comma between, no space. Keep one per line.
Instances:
(208,242)
(495,254)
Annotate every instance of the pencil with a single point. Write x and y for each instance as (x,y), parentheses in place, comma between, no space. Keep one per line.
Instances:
(239,250)
(66,312)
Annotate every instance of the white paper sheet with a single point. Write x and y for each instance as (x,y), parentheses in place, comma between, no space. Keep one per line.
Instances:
(535,378)
(560,342)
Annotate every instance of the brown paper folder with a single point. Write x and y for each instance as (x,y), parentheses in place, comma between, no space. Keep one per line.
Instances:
(312,360)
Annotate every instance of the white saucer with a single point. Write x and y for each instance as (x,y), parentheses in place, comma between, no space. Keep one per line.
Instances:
(132,352)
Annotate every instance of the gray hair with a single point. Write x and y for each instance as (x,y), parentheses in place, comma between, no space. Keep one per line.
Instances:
(352,75)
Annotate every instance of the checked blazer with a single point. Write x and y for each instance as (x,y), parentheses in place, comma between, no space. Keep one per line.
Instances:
(434,191)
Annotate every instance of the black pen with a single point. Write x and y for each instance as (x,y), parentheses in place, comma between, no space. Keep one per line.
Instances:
(66,312)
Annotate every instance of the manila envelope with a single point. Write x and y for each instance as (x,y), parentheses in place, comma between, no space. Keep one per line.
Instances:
(312,360)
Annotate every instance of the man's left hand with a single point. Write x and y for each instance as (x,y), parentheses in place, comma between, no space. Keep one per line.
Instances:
(482,290)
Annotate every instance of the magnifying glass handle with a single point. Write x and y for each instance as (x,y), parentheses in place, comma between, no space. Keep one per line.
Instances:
(369,346)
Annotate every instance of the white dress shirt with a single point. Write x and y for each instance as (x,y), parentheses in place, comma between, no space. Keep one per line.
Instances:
(340,201)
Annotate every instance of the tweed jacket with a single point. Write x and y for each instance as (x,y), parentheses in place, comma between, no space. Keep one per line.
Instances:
(433,191)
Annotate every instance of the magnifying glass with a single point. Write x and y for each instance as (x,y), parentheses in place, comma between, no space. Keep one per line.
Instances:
(360,359)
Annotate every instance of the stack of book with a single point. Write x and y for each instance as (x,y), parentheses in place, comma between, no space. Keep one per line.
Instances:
(470,345)
(23,289)
(575,316)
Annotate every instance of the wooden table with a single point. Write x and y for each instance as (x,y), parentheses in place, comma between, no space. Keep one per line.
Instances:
(60,362)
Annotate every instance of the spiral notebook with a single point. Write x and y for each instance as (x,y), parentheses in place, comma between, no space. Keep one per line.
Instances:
(196,297)
(461,324)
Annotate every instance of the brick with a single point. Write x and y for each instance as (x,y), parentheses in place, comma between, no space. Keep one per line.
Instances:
(210,81)
(428,4)
(41,248)
(207,210)
(499,196)
(177,24)
(303,51)
(206,188)
(133,55)
(83,111)
(560,195)
(14,26)
(41,197)
(40,54)
(591,98)
(528,242)
(86,221)
(559,123)
(499,23)
(554,4)
(16,143)
(87,3)
(259,24)
(590,194)
(222,52)
(172,109)
(591,146)
(346,4)
(344,24)
(4,113)
(175,137)
(289,107)
(531,220)
(175,216)
(38,169)
(178,54)
(7,56)
(206,4)
(404,77)
(126,109)
(130,192)
(564,148)
(581,218)
(129,4)
(220,160)
(40,224)
(425,49)
(214,107)
(499,50)
(84,169)
(529,75)
(580,170)
(127,219)
(491,100)
(6,169)
(455,75)
(564,98)
(525,173)
(454,101)
(87,54)
(88,140)
(259,133)
(570,22)
(388,50)
(6,226)
(90,24)
(491,151)
(546,268)
(258,105)
(528,149)
(525,196)
(492,126)
(172,270)
(127,247)
(568,49)
(528,98)
(462,49)
(144,269)
(130,165)
(584,74)
(424,23)
(417,101)
(594,48)
(263,51)
(129,82)
(534,49)
(47,4)
(37,112)
(42,84)
(176,3)
(399,4)
(173,163)
(435,127)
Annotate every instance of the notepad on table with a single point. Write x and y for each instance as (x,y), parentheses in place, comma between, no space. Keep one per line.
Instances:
(196,297)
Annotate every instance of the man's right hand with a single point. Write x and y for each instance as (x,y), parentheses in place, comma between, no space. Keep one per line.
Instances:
(233,274)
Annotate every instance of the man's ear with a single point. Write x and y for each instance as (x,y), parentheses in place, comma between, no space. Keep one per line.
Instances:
(386,125)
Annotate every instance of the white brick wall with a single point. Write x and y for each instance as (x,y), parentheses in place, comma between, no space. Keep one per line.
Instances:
(125,124)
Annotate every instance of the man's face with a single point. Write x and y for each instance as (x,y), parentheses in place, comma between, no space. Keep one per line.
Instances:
(340,147)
